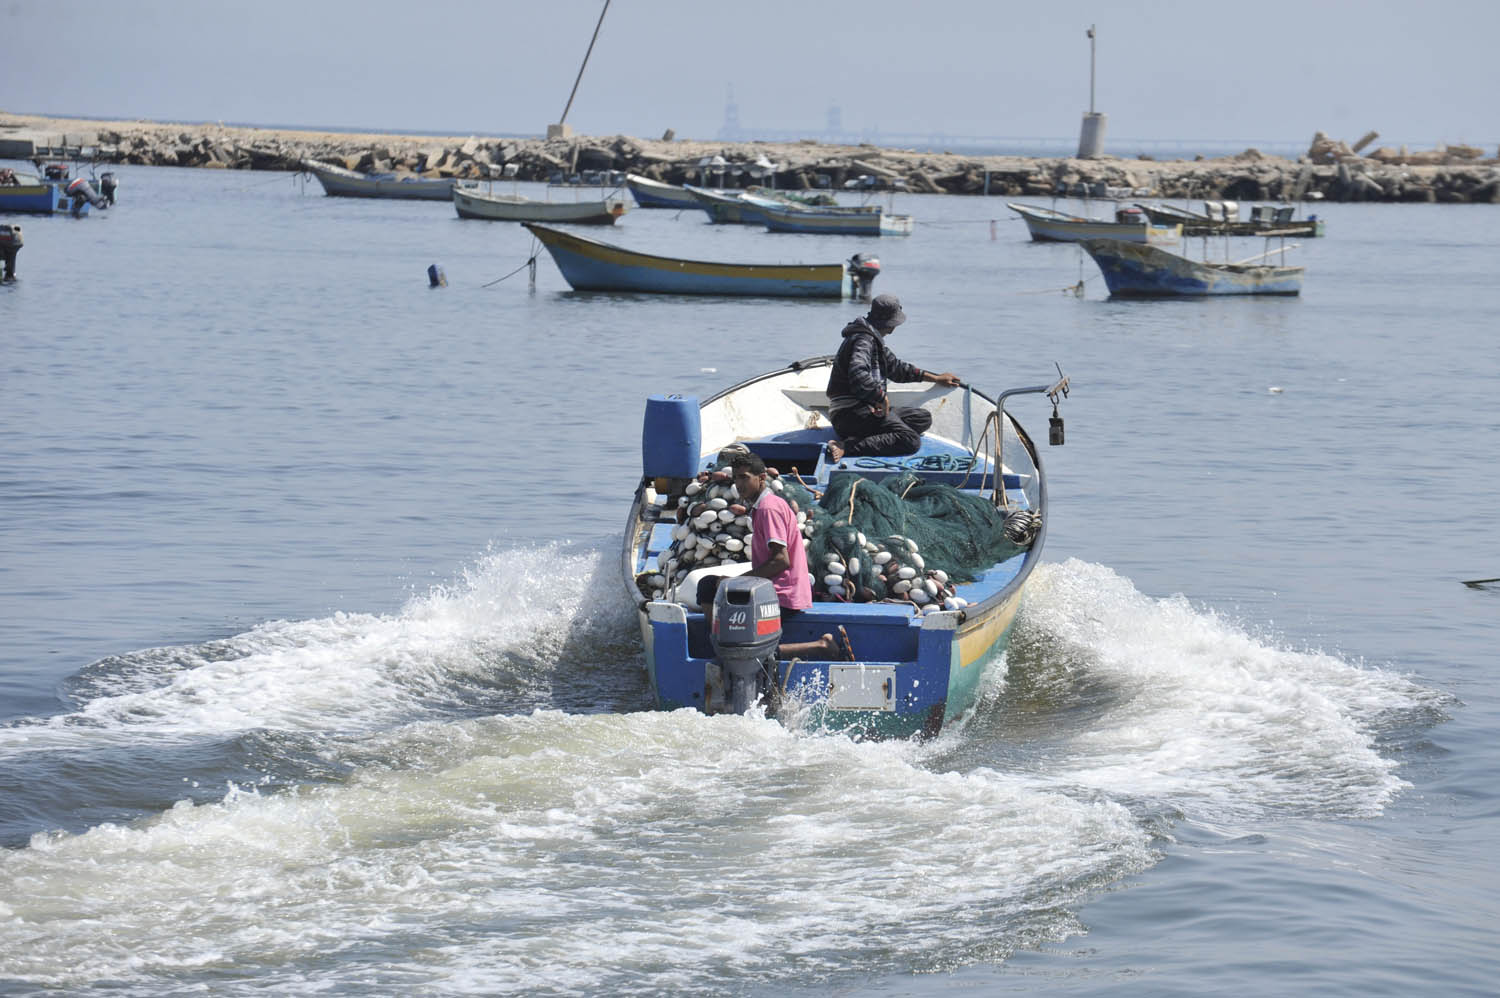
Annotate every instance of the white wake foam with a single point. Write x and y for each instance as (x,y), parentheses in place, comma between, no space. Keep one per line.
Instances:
(350,672)
(1203,715)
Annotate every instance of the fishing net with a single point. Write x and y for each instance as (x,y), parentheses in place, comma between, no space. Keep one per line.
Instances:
(901,538)
(879,534)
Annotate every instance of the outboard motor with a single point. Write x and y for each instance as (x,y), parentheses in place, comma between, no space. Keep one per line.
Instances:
(10,245)
(81,190)
(746,632)
(108,185)
(53,171)
(864,268)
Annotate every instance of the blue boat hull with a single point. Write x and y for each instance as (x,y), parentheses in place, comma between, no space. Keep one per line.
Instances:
(909,680)
(39,199)
(914,672)
(1137,271)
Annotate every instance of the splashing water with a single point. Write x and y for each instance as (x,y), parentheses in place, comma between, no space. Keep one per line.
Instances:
(556,851)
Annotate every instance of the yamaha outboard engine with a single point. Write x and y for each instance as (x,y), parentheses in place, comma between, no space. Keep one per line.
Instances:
(864,268)
(81,190)
(746,632)
(10,245)
(108,185)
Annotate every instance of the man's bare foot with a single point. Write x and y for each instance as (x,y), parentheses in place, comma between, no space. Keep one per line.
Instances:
(835,451)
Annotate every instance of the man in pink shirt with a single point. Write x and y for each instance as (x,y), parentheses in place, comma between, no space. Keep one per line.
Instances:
(776,550)
(776,553)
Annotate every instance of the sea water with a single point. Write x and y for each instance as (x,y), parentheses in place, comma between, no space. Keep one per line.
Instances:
(317,677)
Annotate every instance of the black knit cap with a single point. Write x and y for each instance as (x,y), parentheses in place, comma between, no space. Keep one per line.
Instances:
(885,312)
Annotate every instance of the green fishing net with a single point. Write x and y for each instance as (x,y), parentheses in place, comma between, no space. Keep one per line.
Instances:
(894,538)
(868,531)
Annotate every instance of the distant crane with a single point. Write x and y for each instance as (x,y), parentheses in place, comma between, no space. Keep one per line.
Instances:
(561,129)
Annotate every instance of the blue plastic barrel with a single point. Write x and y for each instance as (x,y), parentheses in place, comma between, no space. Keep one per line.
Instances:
(671,437)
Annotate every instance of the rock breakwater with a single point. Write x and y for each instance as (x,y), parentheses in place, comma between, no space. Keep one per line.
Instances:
(1330,170)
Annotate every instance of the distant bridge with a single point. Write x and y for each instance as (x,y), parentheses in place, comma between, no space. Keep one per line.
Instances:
(1039,146)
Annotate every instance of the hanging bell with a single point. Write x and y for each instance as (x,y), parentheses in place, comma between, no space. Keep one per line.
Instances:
(1055,429)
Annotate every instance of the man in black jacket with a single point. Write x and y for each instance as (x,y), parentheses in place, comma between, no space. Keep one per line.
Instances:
(857,402)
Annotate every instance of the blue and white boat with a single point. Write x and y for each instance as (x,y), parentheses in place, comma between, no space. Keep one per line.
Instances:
(590,265)
(914,660)
(32,194)
(1134,270)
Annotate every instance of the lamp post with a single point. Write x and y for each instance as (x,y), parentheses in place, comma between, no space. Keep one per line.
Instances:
(1091,137)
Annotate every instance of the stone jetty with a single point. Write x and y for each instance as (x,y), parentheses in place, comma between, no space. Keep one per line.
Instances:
(1330,170)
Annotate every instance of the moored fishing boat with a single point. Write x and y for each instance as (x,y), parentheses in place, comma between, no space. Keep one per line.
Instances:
(727,207)
(921,622)
(1132,270)
(745,207)
(1221,218)
(650,193)
(510,208)
(34,194)
(339,182)
(591,265)
(869,220)
(1050,225)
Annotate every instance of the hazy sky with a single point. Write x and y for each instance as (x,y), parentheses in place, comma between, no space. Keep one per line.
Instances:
(1166,69)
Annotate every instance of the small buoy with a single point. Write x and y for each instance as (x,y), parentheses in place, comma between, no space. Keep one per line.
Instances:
(1274,390)
(882,557)
(435,277)
(833,579)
